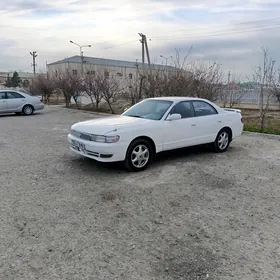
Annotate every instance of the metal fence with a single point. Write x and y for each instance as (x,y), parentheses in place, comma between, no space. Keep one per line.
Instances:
(251,96)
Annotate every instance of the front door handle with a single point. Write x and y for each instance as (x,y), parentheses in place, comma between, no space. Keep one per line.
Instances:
(194,124)
(219,121)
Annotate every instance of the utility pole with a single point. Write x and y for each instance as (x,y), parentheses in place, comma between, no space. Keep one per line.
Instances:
(34,55)
(147,51)
(144,43)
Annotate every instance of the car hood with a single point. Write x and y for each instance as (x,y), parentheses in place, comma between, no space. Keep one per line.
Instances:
(101,126)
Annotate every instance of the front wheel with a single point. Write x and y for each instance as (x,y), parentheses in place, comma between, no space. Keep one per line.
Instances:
(222,141)
(139,155)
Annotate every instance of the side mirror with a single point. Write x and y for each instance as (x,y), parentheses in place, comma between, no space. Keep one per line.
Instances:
(174,117)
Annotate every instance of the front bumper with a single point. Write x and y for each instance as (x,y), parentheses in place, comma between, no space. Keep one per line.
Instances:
(103,152)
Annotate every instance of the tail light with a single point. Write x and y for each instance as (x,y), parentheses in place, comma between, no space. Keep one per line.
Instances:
(241,120)
(41,99)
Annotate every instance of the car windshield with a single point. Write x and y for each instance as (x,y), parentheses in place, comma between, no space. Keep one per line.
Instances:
(149,109)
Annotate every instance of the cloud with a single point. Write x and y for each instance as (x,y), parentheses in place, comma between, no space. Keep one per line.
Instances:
(231,32)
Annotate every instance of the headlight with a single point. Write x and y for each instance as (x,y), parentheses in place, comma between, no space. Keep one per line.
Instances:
(104,139)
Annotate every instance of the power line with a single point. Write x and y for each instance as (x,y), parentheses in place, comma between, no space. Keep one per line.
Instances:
(223,31)
(213,34)
(219,33)
(173,31)
(126,43)
(225,25)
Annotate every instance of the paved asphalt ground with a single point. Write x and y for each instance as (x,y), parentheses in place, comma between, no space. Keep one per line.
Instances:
(192,215)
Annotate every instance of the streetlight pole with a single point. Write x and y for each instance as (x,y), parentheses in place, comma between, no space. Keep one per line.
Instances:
(166,58)
(81,54)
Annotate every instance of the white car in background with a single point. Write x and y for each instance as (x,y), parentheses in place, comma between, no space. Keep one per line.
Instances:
(155,125)
(14,101)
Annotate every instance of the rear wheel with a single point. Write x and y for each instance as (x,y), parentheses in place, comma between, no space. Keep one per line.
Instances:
(27,110)
(222,141)
(139,155)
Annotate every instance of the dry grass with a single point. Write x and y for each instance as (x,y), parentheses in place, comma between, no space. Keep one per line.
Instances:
(251,121)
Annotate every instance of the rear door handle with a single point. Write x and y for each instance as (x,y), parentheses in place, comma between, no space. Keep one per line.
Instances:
(219,121)
(194,124)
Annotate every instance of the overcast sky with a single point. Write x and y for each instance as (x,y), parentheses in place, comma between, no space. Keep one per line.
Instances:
(230,32)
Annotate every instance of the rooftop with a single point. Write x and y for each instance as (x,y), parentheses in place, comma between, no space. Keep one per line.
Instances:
(176,98)
(107,62)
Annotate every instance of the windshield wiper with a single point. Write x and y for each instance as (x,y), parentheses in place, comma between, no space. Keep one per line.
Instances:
(136,116)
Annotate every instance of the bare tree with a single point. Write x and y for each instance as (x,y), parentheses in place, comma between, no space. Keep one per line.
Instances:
(71,86)
(178,63)
(193,79)
(232,94)
(263,76)
(93,87)
(134,89)
(110,88)
(205,80)
(43,86)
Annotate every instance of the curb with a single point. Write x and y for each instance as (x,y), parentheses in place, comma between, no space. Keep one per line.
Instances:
(88,112)
(270,136)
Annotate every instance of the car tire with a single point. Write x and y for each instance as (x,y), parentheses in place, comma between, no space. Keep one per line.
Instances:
(27,110)
(139,155)
(222,141)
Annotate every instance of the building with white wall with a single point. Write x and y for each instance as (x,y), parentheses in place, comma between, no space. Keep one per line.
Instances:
(77,65)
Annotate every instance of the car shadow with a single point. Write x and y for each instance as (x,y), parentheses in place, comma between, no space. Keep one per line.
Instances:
(14,115)
(84,164)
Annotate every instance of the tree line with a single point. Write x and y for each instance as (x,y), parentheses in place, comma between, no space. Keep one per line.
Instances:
(184,78)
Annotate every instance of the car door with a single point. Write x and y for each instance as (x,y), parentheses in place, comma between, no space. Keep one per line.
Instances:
(3,102)
(14,101)
(208,122)
(180,133)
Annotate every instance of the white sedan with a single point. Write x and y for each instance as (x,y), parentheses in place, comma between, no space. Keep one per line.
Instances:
(13,101)
(155,125)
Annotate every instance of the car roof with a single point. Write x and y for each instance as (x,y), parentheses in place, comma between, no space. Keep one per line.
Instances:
(176,98)
(9,89)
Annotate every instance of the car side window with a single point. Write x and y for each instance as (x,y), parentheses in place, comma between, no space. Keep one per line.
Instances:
(202,108)
(2,95)
(184,108)
(13,95)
